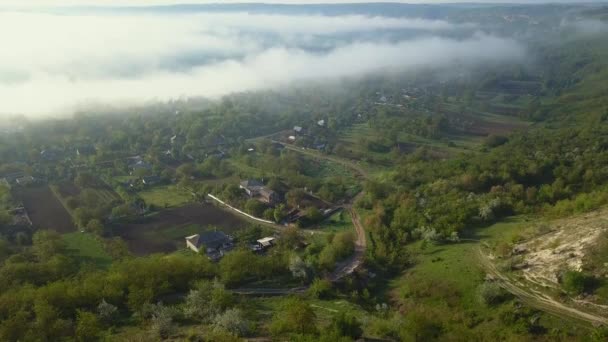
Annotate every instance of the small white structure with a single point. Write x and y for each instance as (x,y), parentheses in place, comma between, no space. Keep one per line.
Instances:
(292,137)
(321,123)
(266,242)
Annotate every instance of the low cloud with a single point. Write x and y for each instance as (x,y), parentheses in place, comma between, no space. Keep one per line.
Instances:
(51,62)
(586,26)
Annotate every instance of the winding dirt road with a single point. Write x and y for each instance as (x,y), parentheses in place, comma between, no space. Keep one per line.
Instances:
(537,299)
(349,265)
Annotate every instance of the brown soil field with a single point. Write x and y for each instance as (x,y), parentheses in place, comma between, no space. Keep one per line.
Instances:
(164,232)
(45,210)
(68,189)
(484,127)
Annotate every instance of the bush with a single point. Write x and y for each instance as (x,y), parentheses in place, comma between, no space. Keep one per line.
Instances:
(490,293)
(232,321)
(346,325)
(320,289)
(575,282)
(294,316)
(495,140)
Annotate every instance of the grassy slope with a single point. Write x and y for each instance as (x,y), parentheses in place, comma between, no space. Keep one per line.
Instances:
(445,280)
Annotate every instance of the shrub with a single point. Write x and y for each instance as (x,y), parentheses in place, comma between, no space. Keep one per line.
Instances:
(576,282)
(490,293)
(320,289)
(232,321)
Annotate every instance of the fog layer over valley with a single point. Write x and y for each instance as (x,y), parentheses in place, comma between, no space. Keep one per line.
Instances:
(59,60)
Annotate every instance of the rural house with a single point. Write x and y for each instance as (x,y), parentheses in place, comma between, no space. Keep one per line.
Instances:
(85,150)
(151,180)
(25,180)
(269,196)
(214,243)
(252,187)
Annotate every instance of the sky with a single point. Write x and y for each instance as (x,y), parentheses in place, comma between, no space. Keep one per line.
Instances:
(169,2)
(57,63)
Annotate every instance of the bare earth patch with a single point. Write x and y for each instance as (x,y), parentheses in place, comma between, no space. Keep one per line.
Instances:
(563,247)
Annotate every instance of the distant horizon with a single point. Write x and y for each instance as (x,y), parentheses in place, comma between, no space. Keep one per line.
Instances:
(154,3)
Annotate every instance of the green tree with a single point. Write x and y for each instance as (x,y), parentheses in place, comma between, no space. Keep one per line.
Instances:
(95,226)
(47,243)
(255,207)
(294,316)
(279,213)
(345,324)
(88,327)
(232,321)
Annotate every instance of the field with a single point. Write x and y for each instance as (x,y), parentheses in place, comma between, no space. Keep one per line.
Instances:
(166,196)
(45,210)
(62,191)
(165,231)
(87,248)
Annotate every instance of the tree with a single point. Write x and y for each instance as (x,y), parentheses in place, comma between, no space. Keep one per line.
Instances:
(185,170)
(279,213)
(207,300)
(294,316)
(490,293)
(47,243)
(85,180)
(298,267)
(107,312)
(345,324)
(87,326)
(313,214)
(575,282)
(254,207)
(5,217)
(290,238)
(232,321)
(162,321)
(294,197)
(95,226)
(320,289)
(82,216)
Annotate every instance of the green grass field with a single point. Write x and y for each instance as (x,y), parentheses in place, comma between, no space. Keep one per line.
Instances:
(166,196)
(87,248)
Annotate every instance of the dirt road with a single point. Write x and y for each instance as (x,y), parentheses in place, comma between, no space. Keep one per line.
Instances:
(537,299)
(349,265)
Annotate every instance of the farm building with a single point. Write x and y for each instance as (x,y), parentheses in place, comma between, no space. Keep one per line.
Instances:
(263,244)
(298,129)
(214,243)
